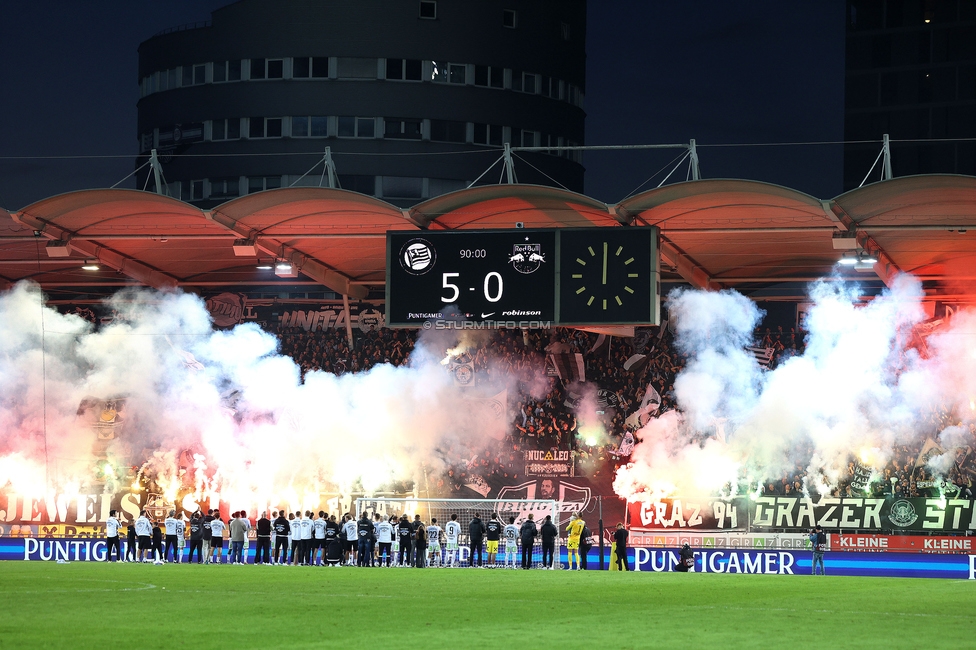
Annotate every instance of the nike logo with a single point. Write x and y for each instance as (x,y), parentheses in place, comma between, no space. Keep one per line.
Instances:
(488,314)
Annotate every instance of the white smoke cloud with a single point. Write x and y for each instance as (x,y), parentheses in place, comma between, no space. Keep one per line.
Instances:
(858,388)
(285,437)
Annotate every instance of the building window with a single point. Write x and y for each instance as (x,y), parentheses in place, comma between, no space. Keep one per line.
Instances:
(315,67)
(528,138)
(402,129)
(450,73)
(529,83)
(490,134)
(358,183)
(276,68)
(227,71)
(226,129)
(264,127)
(194,75)
(261,183)
(448,131)
(564,31)
(510,18)
(258,69)
(428,9)
(549,87)
(491,77)
(402,187)
(222,188)
(438,186)
(356,127)
(355,68)
(310,127)
(404,69)
(196,190)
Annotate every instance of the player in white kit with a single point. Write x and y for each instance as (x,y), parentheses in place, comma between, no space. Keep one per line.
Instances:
(510,533)
(452,530)
(434,544)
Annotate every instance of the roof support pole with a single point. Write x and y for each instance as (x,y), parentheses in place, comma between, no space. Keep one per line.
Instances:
(345,312)
(886,169)
(509,165)
(157,172)
(329,170)
(693,161)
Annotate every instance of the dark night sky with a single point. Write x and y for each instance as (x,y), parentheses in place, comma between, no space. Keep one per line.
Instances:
(658,72)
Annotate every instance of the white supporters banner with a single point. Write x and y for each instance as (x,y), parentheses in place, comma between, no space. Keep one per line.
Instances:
(569,367)
(764,356)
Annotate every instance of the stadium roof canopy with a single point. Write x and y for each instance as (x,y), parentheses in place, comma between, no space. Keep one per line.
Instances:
(714,233)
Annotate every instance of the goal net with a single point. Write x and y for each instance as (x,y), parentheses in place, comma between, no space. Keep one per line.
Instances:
(466,509)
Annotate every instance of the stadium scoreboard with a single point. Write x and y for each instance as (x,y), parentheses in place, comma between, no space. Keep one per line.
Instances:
(562,276)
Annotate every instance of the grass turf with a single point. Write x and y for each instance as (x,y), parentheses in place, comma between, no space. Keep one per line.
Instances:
(82,604)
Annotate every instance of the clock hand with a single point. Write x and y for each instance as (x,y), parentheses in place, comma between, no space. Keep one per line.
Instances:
(604,262)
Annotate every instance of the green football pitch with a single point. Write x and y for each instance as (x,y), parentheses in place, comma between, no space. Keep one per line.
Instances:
(82,605)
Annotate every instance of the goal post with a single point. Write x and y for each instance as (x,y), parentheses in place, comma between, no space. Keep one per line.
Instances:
(466,509)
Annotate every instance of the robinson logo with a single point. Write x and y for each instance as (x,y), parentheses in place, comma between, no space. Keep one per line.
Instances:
(417,256)
(902,513)
(527,258)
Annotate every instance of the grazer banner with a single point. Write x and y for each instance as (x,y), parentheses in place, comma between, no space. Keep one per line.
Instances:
(788,513)
(703,513)
(792,514)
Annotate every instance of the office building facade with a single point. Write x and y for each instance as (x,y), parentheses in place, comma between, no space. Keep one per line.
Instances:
(414,98)
(911,73)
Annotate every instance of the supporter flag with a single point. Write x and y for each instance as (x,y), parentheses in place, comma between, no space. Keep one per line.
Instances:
(642,336)
(636,362)
(929,450)
(569,367)
(479,485)
(606,399)
(462,369)
(764,356)
(492,412)
(649,406)
(573,400)
(189,361)
(601,346)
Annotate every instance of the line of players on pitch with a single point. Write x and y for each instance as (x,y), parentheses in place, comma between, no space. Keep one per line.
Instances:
(307,540)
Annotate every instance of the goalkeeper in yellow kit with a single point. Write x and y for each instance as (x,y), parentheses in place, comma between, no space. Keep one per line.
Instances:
(574,529)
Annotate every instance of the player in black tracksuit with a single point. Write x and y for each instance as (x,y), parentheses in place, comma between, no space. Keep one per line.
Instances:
(549,534)
(405,536)
(476,536)
(281,528)
(196,537)
(364,529)
(130,543)
(263,553)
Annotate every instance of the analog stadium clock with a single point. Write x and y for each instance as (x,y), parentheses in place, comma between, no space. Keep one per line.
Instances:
(608,276)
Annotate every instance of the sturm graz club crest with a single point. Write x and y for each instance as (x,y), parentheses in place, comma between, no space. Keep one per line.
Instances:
(417,256)
(902,513)
(527,258)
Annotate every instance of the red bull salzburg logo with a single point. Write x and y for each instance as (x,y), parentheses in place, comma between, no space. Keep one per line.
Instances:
(527,258)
